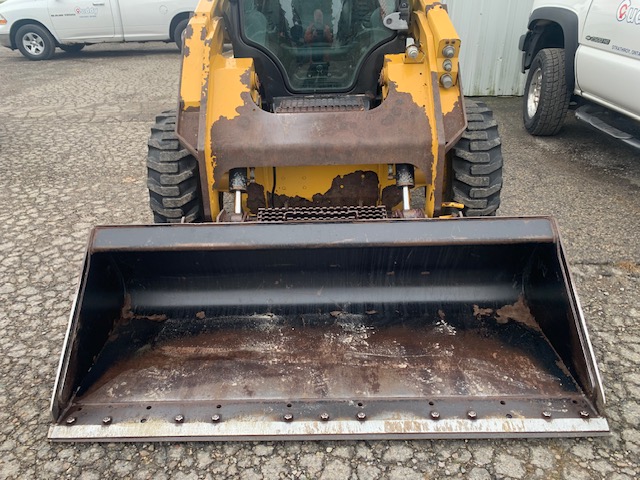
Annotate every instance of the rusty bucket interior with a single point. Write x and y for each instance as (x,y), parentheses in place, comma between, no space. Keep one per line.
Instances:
(387,329)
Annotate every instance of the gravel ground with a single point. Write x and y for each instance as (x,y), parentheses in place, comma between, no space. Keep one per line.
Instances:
(72,154)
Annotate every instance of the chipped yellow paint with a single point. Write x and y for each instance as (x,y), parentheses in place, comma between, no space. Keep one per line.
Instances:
(192,64)
(220,80)
(444,34)
(456,205)
(226,87)
(206,23)
(225,90)
(211,80)
(415,79)
(432,29)
(423,36)
(307,181)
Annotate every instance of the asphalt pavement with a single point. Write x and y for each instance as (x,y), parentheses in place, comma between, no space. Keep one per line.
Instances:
(73,134)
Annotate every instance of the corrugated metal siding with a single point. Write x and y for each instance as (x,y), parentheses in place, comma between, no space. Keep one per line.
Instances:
(490,30)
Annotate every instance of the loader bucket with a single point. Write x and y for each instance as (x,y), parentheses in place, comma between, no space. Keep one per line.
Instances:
(388,329)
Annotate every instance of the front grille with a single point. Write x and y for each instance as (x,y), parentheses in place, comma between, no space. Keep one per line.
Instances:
(315,214)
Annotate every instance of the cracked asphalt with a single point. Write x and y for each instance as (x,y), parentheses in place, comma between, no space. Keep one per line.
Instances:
(73,136)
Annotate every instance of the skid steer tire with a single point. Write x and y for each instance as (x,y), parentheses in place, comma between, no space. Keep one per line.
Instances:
(546,96)
(172,175)
(477,163)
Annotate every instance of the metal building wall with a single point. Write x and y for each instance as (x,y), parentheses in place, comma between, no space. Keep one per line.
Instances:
(490,30)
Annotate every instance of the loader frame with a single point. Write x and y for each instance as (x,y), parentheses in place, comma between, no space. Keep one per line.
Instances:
(221,99)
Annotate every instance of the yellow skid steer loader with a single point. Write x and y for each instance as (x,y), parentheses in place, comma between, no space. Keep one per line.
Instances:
(326,261)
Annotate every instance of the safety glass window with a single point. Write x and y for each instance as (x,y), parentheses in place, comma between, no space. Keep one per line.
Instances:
(320,43)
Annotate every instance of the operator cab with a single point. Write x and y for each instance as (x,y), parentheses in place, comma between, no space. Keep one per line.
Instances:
(315,46)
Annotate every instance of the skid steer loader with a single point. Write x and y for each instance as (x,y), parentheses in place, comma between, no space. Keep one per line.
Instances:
(326,261)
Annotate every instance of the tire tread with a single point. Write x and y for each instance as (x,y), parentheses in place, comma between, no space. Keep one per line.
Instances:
(554,96)
(172,175)
(477,163)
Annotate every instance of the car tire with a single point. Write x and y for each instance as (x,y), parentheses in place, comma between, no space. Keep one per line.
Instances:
(546,95)
(477,163)
(35,42)
(173,176)
(73,48)
(177,32)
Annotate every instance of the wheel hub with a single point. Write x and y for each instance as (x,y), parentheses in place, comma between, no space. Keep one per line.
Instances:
(33,43)
(533,94)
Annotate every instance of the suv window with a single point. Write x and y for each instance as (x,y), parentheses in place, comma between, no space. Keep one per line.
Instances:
(320,44)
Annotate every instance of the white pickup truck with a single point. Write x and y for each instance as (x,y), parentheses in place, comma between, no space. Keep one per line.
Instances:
(37,27)
(584,54)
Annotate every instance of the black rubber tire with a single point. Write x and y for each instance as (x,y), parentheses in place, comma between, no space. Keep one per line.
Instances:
(177,32)
(44,45)
(74,48)
(477,163)
(554,95)
(172,175)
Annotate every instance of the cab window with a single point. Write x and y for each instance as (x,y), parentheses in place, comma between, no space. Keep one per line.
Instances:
(319,43)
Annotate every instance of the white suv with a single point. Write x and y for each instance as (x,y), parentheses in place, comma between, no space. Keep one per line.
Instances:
(587,54)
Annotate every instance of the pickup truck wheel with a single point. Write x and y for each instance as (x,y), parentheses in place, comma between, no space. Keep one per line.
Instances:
(172,175)
(35,42)
(477,163)
(74,48)
(546,96)
(177,32)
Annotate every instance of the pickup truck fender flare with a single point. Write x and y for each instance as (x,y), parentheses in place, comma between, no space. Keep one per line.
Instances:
(28,21)
(552,27)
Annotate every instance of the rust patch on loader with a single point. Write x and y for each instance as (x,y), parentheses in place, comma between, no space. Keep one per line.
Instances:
(126,314)
(357,188)
(188,33)
(328,138)
(391,196)
(455,123)
(187,130)
(518,312)
(333,355)
(256,197)
(482,312)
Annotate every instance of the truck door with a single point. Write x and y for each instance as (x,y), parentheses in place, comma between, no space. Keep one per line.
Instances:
(150,19)
(608,59)
(86,20)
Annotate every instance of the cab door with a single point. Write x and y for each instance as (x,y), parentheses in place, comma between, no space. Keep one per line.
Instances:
(608,58)
(86,20)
